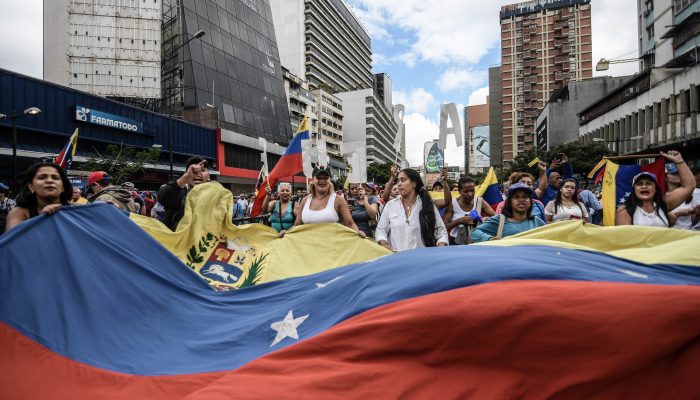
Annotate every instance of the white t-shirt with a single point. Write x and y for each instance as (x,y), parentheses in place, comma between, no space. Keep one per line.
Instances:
(565,213)
(685,222)
(403,233)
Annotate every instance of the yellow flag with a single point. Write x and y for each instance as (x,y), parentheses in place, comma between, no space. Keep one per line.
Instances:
(232,257)
(533,162)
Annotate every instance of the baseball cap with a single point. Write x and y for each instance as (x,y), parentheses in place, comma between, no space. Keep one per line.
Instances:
(642,175)
(3,187)
(96,176)
(321,170)
(519,186)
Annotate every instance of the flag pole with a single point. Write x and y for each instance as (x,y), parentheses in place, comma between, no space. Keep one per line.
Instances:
(633,156)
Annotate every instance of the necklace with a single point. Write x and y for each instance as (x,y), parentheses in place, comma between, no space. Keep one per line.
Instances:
(409,210)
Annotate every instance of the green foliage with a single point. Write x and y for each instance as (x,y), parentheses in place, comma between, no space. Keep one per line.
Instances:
(379,172)
(583,157)
(254,272)
(121,162)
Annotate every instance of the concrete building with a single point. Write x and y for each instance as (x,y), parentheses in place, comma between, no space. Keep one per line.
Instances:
(330,121)
(323,42)
(659,108)
(300,101)
(544,44)
(108,48)
(368,119)
(558,122)
(495,116)
(477,138)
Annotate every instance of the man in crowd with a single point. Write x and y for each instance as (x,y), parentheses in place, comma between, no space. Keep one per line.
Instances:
(77,197)
(105,191)
(554,178)
(173,195)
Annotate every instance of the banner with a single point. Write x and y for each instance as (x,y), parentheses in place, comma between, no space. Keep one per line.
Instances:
(434,160)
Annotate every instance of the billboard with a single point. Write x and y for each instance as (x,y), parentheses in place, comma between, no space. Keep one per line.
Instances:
(434,160)
(481,153)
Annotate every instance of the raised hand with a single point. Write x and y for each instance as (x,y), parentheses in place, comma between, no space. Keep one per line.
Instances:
(673,156)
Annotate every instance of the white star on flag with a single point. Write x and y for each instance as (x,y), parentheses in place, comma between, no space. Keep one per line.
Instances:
(287,327)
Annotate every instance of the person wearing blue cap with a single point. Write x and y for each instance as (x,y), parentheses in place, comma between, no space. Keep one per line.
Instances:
(647,206)
(516,217)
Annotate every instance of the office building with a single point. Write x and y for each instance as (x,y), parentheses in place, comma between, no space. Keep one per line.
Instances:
(108,48)
(324,43)
(544,44)
(659,108)
(368,119)
(330,121)
(558,121)
(300,101)
(495,116)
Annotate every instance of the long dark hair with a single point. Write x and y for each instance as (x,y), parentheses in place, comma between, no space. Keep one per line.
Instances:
(557,199)
(633,202)
(27,199)
(427,214)
(508,206)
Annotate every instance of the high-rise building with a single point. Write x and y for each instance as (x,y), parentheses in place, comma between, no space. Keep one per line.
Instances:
(478,138)
(109,48)
(368,119)
(495,116)
(300,101)
(323,42)
(544,44)
(330,121)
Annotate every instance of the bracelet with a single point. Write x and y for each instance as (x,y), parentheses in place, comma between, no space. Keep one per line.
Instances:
(679,163)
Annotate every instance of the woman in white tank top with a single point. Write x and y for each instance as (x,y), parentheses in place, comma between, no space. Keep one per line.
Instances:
(322,205)
(646,205)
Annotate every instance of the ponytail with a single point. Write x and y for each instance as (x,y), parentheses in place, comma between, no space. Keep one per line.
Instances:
(426,217)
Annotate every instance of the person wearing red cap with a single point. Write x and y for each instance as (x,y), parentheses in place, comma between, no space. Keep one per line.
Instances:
(104,191)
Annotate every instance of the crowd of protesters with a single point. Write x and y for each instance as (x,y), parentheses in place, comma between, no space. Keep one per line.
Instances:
(401,215)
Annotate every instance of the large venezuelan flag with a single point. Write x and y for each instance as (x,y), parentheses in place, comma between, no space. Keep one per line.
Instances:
(65,157)
(489,321)
(617,184)
(291,163)
(489,189)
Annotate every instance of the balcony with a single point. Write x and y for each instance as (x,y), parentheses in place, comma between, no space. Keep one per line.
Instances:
(561,59)
(295,108)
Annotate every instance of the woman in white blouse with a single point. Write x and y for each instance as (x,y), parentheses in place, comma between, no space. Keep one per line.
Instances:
(565,205)
(405,224)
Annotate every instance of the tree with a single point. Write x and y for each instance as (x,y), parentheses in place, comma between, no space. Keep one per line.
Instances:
(583,157)
(379,172)
(121,162)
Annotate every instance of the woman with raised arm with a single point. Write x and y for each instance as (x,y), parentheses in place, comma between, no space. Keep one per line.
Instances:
(646,205)
(411,220)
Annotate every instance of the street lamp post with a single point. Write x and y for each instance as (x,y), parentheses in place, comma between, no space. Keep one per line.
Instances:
(14,117)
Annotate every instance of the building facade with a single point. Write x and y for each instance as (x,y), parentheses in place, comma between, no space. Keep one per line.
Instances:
(544,44)
(100,122)
(659,108)
(368,119)
(330,121)
(324,43)
(300,101)
(477,138)
(109,48)
(231,76)
(558,122)
(495,116)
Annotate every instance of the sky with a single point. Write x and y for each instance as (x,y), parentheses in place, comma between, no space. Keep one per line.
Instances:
(434,51)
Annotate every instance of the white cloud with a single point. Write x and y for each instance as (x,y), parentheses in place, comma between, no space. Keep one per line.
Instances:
(446,31)
(610,40)
(21,30)
(418,101)
(419,130)
(478,96)
(459,79)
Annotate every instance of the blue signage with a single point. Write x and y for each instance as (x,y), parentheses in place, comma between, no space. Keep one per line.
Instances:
(103,119)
